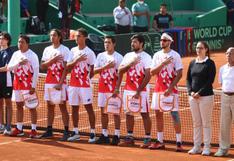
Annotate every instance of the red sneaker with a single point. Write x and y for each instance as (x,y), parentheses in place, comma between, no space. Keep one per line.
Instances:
(157,145)
(17,132)
(33,134)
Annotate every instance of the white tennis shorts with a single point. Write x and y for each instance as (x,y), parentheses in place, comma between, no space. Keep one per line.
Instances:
(80,96)
(102,98)
(17,95)
(64,92)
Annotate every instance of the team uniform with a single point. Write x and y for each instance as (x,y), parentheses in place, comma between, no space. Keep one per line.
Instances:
(80,91)
(25,76)
(166,77)
(135,76)
(108,77)
(54,72)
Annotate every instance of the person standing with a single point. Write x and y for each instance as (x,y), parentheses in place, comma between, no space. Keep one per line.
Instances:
(141,16)
(200,77)
(5,83)
(66,11)
(81,65)
(136,65)
(230,12)
(54,60)
(163,20)
(226,77)
(167,66)
(25,65)
(107,65)
(123,18)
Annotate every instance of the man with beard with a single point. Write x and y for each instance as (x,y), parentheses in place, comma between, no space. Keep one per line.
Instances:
(137,66)
(167,66)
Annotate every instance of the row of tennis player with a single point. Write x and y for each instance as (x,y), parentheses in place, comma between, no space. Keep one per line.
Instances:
(58,60)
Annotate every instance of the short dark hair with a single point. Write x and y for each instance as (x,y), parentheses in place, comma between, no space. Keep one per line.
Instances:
(7,36)
(59,33)
(139,37)
(163,5)
(110,37)
(25,37)
(83,32)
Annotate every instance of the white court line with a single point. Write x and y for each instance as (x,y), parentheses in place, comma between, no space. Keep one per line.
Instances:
(14,141)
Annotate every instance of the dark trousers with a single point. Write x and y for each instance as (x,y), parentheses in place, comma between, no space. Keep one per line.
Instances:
(65,26)
(140,29)
(42,7)
(122,29)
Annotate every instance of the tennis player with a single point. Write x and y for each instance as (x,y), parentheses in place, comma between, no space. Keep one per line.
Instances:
(54,60)
(25,66)
(107,65)
(81,64)
(137,66)
(167,66)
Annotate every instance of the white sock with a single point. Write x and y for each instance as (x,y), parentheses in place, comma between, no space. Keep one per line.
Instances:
(92,131)
(105,132)
(130,134)
(76,130)
(160,136)
(117,132)
(34,126)
(147,136)
(19,125)
(178,137)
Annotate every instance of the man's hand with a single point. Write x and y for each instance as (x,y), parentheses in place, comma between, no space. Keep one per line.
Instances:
(23,61)
(135,61)
(57,58)
(32,91)
(167,61)
(80,58)
(136,95)
(58,87)
(110,64)
(168,92)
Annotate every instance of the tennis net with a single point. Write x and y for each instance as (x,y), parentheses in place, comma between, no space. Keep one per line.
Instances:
(169,133)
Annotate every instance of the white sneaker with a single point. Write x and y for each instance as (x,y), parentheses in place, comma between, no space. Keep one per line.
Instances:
(7,132)
(92,138)
(221,153)
(195,150)
(206,151)
(74,137)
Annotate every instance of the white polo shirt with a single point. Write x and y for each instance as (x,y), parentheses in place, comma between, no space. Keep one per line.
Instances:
(226,78)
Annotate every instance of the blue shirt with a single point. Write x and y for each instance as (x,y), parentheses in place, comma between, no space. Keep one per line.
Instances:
(140,21)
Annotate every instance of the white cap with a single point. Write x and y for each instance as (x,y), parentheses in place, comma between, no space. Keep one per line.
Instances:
(167,37)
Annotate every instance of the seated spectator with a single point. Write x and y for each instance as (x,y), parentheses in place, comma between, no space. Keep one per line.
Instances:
(230,8)
(123,17)
(163,20)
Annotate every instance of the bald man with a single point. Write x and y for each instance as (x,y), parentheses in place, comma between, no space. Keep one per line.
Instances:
(226,77)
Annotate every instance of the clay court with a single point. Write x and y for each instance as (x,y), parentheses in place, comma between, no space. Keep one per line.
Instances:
(15,149)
